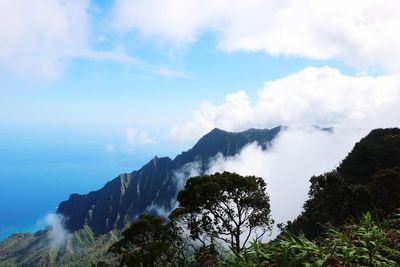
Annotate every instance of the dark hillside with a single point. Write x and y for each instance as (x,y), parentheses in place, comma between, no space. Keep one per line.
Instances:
(368,179)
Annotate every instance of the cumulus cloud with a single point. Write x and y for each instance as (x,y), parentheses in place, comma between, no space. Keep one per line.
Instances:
(313,96)
(138,137)
(38,37)
(358,32)
(57,234)
(293,157)
(236,109)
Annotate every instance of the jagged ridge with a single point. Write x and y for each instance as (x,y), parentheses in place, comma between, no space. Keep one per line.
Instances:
(128,195)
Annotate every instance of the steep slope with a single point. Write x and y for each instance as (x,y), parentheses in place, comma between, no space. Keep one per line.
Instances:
(368,179)
(155,184)
(35,250)
(94,218)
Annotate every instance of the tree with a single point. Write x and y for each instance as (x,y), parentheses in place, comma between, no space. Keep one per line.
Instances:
(224,206)
(150,242)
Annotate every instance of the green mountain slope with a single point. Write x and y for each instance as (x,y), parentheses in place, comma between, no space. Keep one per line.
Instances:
(36,250)
(94,219)
(368,179)
(154,184)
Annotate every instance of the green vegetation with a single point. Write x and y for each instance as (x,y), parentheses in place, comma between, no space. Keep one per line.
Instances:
(347,221)
(224,206)
(150,242)
(364,244)
(368,179)
(35,250)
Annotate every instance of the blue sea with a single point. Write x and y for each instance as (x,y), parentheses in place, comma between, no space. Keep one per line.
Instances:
(40,167)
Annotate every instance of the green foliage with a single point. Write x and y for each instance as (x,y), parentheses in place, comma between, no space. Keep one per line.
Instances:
(379,150)
(363,244)
(206,255)
(289,250)
(224,206)
(368,179)
(150,242)
(366,244)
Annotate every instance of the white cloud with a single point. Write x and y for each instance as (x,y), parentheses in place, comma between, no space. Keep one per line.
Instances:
(289,163)
(166,71)
(57,234)
(235,110)
(138,137)
(119,55)
(312,96)
(159,211)
(38,37)
(362,33)
(292,158)
(188,170)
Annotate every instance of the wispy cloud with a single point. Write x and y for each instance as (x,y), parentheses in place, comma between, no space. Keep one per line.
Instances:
(57,234)
(167,72)
(111,55)
(119,55)
(138,137)
(40,37)
(361,33)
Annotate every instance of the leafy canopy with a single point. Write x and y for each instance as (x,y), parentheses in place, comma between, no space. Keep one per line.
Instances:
(226,207)
(150,242)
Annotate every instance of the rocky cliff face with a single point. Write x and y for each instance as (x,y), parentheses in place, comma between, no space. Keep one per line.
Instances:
(154,185)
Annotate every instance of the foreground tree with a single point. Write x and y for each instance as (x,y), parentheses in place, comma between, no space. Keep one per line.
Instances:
(150,242)
(224,206)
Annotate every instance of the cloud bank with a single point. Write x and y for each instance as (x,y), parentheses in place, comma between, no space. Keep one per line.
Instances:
(292,158)
(288,164)
(352,105)
(313,96)
(362,33)
(38,37)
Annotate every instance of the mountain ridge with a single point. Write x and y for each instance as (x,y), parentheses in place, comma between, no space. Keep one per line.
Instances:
(130,194)
(333,197)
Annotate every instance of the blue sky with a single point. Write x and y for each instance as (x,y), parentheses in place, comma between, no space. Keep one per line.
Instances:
(93,93)
(122,76)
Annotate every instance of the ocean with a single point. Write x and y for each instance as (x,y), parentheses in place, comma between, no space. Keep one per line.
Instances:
(41,168)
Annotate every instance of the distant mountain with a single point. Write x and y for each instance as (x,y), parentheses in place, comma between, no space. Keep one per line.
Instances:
(368,179)
(94,219)
(154,185)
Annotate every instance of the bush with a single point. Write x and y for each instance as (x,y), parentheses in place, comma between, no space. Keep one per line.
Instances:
(364,244)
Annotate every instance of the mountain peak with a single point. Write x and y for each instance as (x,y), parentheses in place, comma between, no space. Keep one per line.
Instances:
(215,131)
(154,184)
